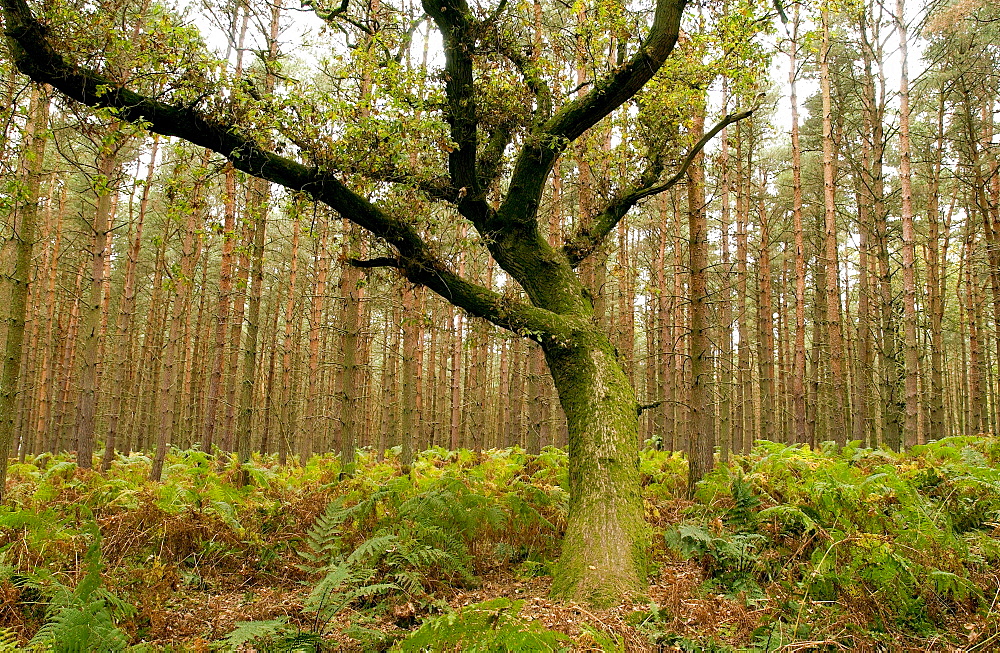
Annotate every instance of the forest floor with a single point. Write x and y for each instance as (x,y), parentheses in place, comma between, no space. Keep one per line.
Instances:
(785,549)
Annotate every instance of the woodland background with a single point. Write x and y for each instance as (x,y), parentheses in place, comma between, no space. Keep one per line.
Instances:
(853,270)
(166,311)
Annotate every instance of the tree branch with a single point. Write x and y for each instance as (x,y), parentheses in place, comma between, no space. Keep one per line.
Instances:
(512,231)
(588,238)
(34,56)
(378,262)
(641,408)
(612,91)
(455,20)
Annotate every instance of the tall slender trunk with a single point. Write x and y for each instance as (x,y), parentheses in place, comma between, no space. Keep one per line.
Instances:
(258,206)
(61,428)
(765,320)
(935,288)
(725,371)
(90,332)
(270,342)
(50,346)
(125,316)
(816,412)
(830,247)
(863,427)
(322,265)
(742,436)
(911,360)
(408,410)
(183,283)
(701,433)
(975,423)
(288,343)
(352,293)
(222,312)
(799,364)
(24,219)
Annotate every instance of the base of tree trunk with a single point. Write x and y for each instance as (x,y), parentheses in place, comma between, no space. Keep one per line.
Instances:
(605,554)
(604,557)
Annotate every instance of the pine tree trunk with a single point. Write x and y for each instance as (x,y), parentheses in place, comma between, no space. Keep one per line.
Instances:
(936,289)
(125,316)
(288,344)
(799,364)
(765,322)
(834,336)
(408,410)
(352,292)
(222,312)
(742,435)
(911,361)
(701,433)
(183,283)
(90,327)
(257,209)
(50,345)
(312,415)
(23,218)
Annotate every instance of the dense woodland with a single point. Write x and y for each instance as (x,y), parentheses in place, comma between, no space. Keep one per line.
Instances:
(811,250)
(171,299)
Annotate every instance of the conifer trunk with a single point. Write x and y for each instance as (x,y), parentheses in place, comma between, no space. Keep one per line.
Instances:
(90,331)
(24,219)
(799,356)
(701,431)
(911,361)
(830,248)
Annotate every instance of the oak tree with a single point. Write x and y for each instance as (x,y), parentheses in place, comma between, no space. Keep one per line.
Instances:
(503,126)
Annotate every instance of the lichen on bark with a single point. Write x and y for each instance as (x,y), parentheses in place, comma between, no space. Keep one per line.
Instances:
(606,542)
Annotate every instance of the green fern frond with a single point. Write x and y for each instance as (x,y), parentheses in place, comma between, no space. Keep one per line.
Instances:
(84,629)
(375,547)
(8,641)
(322,541)
(248,632)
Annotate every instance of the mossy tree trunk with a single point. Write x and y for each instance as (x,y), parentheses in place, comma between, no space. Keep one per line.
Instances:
(606,536)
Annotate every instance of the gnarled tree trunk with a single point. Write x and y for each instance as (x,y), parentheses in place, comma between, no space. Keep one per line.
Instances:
(606,536)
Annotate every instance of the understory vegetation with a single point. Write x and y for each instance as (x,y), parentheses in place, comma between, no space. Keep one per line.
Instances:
(785,548)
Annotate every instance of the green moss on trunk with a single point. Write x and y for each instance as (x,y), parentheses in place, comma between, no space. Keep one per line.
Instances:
(606,542)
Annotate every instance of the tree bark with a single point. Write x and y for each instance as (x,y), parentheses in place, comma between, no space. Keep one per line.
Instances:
(86,410)
(604,554)
(182,285)
(799,362)
(125,316)
(911,360)
(24,220)
(701,432)
(830,248)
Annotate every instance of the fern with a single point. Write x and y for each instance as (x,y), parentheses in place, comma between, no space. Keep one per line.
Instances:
(746,503)
(8,641)
(81,621)
(323,538)
(489,626)
(250,632)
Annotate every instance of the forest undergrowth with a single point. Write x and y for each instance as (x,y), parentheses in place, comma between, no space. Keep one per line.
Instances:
(785,548)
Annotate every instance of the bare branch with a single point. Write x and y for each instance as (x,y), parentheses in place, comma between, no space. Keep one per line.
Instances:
(379,262)
(586,240)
